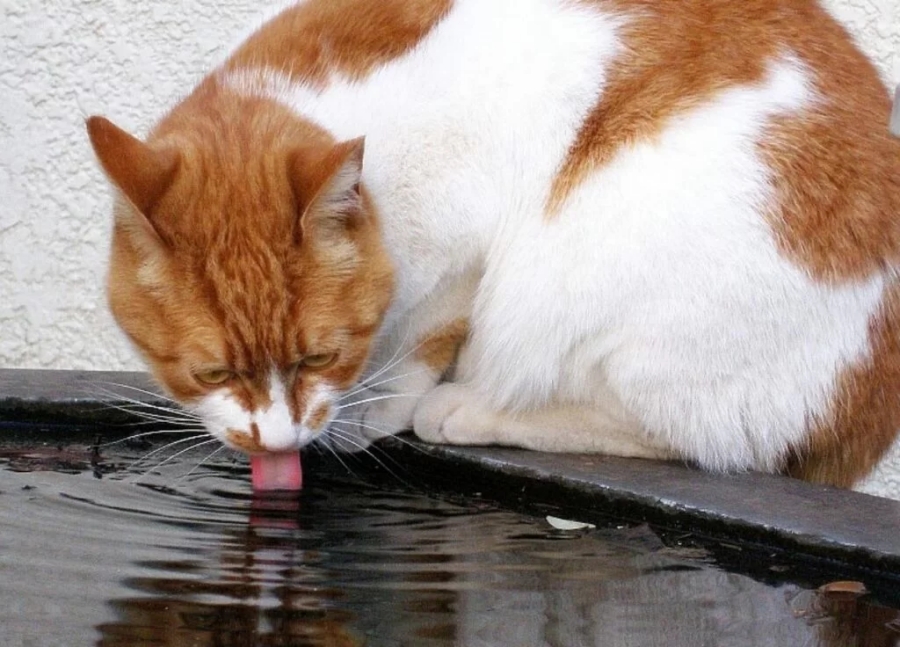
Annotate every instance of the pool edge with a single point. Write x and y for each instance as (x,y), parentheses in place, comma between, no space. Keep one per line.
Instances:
(822,522)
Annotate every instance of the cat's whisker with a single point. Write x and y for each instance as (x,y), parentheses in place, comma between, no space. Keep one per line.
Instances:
(202,462)
(177,424)
(84,112)
(391,363)
(151,433)
(408,443)
(174,423)
(377,399)
(367,424)
(384,432)
(174,443)
(324,442)
(137,405)
(347,436)
(173,420)
(361,423)
(116,389)
(344,435)
(112,398)
(396,358)
(139,408)
(370,387)
(111,390)
(171,458)
(149,417)
(146,420)
(130,387)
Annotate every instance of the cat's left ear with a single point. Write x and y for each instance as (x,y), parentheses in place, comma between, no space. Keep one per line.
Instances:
(142,173)
(334,187)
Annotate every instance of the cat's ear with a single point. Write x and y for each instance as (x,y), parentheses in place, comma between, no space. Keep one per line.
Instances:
(334,185)
(141,172)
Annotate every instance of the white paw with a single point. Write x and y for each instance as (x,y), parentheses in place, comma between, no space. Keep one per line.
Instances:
(455,414)
(377,414)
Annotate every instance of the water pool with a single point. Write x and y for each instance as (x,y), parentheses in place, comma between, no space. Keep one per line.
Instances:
(109,550)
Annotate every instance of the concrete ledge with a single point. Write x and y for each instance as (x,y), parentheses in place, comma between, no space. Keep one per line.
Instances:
(766,510)
(805,521)
(74,397)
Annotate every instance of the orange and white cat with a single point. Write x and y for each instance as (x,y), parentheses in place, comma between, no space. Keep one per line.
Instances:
(653,228)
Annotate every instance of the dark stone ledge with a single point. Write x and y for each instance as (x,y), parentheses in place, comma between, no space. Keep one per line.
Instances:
(79,398)
(770,512)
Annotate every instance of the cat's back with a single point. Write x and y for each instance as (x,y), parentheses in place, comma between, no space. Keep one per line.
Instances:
(590,76)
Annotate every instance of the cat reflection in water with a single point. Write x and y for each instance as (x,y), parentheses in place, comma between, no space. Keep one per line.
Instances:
(647,228)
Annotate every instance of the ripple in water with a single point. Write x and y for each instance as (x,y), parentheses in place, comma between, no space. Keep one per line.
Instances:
(188,557)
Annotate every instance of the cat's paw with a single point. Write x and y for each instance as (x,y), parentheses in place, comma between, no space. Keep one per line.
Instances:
(455,414)
(375,415)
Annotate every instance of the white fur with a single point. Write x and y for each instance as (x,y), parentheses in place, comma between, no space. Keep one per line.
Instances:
(654,303)
(222,413)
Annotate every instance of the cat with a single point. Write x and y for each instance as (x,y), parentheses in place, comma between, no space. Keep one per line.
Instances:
(647,228)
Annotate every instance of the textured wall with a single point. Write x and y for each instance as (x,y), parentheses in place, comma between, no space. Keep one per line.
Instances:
(62,61)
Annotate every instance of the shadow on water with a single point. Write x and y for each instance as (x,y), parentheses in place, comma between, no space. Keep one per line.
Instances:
(180,556)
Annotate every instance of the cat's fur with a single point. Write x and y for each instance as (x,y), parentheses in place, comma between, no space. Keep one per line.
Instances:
(658,228)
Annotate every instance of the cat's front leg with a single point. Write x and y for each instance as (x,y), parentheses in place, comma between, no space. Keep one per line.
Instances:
(457,414)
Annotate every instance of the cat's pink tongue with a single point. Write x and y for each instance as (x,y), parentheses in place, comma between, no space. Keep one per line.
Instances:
(276,471)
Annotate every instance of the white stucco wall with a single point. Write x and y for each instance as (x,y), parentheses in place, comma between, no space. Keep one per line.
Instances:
(61,62)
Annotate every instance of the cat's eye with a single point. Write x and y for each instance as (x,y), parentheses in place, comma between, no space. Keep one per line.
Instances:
(318,361)
(214,377)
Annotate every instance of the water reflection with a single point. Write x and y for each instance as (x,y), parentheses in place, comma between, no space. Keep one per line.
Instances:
(841,620)
(373,568)
(300,572)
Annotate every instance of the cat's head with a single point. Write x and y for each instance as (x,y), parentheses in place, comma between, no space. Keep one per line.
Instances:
(247,266)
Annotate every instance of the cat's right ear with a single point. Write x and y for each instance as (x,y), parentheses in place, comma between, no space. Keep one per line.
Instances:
(327,187)
(142,173)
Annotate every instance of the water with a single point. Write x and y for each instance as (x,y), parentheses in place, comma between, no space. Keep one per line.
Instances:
(187,556)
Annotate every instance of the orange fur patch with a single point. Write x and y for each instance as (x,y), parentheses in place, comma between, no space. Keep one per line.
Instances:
(866,416)
(318,417)
(439,349)
(840,197)
(679,54)
(351,37)
(244,442)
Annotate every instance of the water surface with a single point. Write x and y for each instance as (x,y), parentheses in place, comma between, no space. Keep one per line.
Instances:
(93,552)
